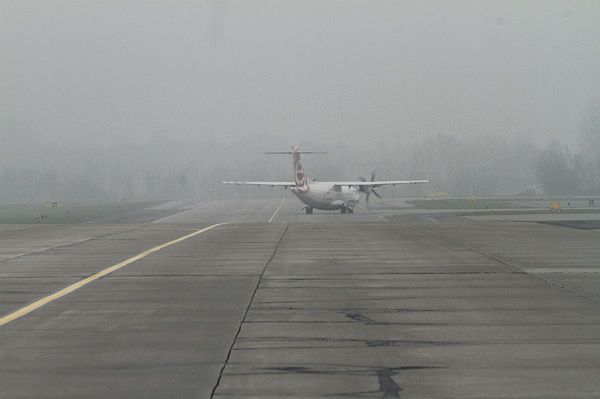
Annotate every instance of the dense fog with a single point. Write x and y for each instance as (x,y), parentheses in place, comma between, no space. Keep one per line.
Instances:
(136,100)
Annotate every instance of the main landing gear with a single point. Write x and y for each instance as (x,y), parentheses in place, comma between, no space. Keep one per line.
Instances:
(347,210)
(309,210)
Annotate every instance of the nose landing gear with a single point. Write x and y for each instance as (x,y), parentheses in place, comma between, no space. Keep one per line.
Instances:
(347,210)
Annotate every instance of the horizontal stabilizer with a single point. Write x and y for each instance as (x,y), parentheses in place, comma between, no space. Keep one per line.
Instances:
(297,152)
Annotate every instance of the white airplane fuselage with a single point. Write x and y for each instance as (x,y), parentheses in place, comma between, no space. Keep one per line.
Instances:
(327,196)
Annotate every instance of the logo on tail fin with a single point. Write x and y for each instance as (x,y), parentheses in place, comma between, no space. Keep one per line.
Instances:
(299,174)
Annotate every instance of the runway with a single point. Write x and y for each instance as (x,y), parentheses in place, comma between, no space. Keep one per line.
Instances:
(277,303)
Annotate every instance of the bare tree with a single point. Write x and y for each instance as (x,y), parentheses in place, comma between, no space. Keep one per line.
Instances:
(556,171)
(590,151)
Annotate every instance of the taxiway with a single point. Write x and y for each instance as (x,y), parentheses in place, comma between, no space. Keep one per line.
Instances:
(281,304)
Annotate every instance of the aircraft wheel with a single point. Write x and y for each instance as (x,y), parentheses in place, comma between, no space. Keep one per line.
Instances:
(350,210)
(343,210)
(309,210)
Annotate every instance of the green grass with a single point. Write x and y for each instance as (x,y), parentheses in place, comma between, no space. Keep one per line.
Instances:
(532,212)
(461,203)
(70,213)
(506,212)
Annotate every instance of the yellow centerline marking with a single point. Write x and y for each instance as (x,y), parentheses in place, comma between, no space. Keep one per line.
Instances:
(276,210)
(75,286)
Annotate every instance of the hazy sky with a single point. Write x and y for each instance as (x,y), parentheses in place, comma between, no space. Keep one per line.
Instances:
(318,70)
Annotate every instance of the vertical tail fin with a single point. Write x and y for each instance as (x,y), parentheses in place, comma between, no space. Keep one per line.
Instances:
(300,176)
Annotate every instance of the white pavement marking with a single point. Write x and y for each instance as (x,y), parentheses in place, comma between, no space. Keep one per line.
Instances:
(67,290)
(276,210)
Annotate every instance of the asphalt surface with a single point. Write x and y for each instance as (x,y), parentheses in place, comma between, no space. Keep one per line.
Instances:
(283,304)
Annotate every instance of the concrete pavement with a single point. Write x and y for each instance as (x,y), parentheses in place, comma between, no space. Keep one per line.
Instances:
(305,306)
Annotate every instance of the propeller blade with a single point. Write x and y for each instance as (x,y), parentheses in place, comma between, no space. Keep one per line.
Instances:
(375,192)
(363,189)
(373,176)
(367,199)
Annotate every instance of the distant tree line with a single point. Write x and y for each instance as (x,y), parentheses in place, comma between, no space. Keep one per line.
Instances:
(560,172)
(162,168)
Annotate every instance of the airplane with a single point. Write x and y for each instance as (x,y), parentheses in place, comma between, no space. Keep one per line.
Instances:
(333,195)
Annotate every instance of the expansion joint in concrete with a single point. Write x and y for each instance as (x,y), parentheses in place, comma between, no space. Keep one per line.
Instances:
(505,262)
(259,280)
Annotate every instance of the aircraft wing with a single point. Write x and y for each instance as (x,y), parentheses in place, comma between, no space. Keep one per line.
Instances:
(262,183)
(377,183)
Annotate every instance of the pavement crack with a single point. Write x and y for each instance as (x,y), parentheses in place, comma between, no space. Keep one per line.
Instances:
(517,268)
(67,245)
(260,278)
(356,316)
(387,385)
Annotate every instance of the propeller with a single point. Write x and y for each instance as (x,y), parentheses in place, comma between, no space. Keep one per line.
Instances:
(369,189)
